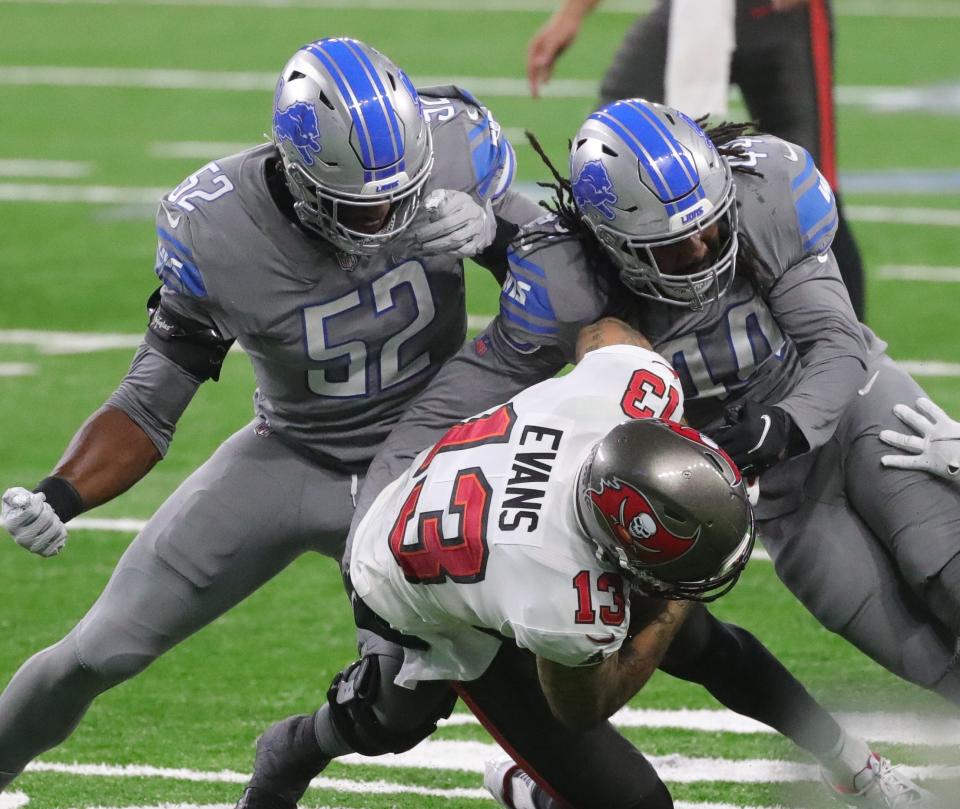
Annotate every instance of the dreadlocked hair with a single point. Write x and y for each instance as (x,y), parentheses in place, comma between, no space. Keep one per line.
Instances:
(562,205)
(724,137)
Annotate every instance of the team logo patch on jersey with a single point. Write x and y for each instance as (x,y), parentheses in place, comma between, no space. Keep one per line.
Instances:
(636,524)
(298,124)
(593,187)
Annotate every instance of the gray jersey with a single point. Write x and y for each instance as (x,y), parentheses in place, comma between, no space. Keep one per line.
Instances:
(783,334)
(339,344)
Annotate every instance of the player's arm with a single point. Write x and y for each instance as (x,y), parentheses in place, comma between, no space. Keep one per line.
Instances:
(119,443)
(124,439)
(812,308)
(582,697)
(553,38)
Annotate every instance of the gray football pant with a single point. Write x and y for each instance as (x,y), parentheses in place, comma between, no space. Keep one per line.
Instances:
(873,552)
(237,521)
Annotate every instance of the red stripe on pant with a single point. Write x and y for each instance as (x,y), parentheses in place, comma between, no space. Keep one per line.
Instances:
(501,740)
(823,80)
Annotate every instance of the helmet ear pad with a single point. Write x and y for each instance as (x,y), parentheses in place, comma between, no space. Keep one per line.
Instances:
(644,176)
(351,133)
(665,505)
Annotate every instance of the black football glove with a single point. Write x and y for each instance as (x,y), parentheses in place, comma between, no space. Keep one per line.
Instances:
(758,437)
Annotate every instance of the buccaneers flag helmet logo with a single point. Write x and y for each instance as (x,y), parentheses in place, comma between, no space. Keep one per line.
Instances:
(636,525)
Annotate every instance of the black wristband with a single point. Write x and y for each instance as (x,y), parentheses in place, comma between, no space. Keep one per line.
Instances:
(62,497)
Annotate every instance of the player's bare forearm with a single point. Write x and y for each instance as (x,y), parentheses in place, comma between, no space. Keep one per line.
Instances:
(108,454)
(641,654)
(583,697)
(608,331)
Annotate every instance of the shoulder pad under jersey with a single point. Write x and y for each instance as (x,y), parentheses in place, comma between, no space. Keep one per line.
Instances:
(548,294)
(788,212)
(200,207)
(464,128)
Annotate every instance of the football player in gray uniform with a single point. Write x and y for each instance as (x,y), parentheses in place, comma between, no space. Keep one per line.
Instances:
(717,246)
(333,256)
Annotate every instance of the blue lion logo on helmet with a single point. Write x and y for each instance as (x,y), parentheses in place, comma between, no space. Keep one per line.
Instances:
(593,187)
(298,124)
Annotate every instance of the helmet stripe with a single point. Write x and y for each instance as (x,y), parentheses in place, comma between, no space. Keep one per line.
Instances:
(655,147)
(377,135)
(685,164)
(386,105)
(637,148)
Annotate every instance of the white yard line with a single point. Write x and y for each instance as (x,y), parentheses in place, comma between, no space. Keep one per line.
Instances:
(468,756)
(930,367)
(944,98)
(17,369)
(44,168)
(90,194)
(196,149)
(13,800)
(945,217)
(68,342)
(855,8)
(884,728)
(485,794)
(677,804)
(918,272)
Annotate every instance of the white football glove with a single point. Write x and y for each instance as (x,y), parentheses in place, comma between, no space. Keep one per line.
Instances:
(936,445)
(451,223)
(32,522)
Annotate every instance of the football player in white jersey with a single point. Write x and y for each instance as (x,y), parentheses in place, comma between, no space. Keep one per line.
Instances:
(716,245)
(546,557)
(313,251)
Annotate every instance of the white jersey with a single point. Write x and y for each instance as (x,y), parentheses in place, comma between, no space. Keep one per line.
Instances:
(479,538)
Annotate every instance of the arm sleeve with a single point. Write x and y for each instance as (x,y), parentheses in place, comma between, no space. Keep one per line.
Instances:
(154,394)
(812,307)
(512,210)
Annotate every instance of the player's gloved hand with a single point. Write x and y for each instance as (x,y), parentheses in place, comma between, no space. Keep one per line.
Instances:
(758,436)
(936,445)
(32,522)
(452,222)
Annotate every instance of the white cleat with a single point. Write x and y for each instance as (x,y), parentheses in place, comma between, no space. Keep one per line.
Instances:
(879,786)
(510,786)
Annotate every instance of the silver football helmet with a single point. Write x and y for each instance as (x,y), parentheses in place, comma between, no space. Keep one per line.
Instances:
(351,132)
(668,507)
(645,176)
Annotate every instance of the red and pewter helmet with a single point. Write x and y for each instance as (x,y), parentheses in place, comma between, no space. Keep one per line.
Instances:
(664,504)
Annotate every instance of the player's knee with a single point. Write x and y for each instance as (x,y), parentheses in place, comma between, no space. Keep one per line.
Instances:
(113,651)
(659,799)
(943,595)
(375,716)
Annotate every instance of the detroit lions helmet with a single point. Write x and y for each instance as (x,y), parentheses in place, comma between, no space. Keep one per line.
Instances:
(645,176)
(668,508)
(350,129)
